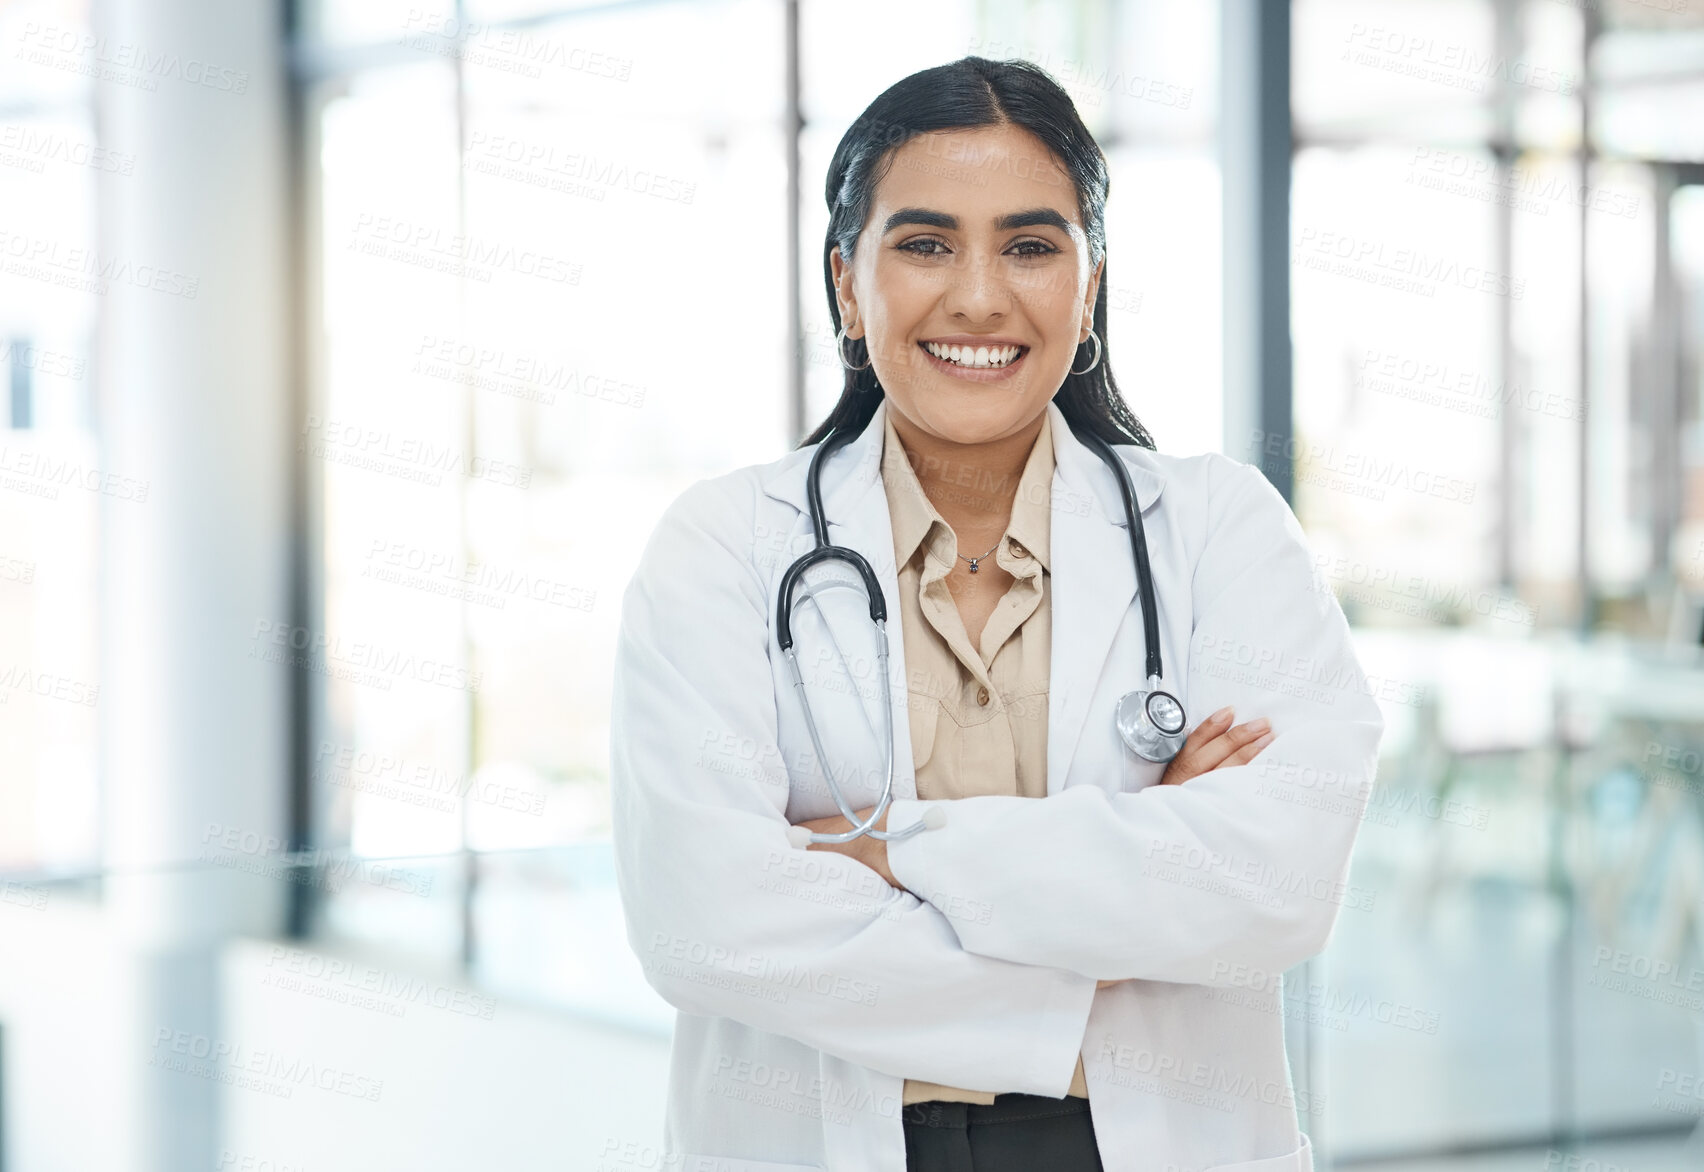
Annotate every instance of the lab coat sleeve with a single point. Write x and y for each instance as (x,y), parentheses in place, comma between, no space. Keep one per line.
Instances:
(727,918)
(1237,871)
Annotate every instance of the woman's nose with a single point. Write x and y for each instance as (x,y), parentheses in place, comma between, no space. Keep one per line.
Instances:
(977,287)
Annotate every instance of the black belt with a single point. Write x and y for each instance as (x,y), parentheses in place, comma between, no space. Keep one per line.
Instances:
(1009,1107)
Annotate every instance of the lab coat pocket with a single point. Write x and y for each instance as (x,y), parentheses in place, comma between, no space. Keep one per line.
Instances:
(1300,1160)
(692,1163)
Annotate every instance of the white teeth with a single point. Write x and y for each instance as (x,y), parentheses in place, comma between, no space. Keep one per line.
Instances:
(985,356)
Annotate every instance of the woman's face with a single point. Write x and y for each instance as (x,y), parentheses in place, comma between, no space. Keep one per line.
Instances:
(973,240)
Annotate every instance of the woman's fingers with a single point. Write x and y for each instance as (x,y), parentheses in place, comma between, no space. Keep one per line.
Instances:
(1204,732)
(1215,744)
(1249,751)
(1194,757)
(1213,752)
(1242,738)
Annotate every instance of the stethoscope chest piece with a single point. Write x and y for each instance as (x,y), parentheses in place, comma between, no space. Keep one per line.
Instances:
(1150,722)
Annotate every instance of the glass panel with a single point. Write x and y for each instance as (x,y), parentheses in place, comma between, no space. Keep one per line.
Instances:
(52,56)
(411,24)
(610,384)
(515,11)
(1542,388)
(653,64)
(1395,288)
(1637,972)
(1686,232)
(1411,68)
(388,438)
(1544,117)
(54,484)
(1164,312)
(1530,839)
(1652,121)
(1434,1006)
(593,389)
(1620,274)
(510,402)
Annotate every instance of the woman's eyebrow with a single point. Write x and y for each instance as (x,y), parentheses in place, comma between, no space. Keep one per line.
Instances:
(933,219)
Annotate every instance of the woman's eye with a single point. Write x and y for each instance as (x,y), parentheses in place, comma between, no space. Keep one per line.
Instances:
(928,246)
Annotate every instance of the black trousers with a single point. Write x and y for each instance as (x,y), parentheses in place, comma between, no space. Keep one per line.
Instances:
(1014,1133)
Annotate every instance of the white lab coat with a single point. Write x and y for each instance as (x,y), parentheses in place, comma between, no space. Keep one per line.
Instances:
(808,989)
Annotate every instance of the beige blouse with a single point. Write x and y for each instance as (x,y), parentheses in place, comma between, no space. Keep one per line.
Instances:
(978,715)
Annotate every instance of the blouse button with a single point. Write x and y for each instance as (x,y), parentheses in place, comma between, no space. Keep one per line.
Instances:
(982,696)
(1018,550)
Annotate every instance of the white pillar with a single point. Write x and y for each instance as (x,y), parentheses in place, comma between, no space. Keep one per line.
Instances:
(192,370)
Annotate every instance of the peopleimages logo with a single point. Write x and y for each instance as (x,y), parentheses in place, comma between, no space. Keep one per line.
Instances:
(253,1068)
(1440,384)
(541,164)
(1332,1001)
(1388,588)
(1407,269)
(1480,177)
(81,52)
(460,254)
(84,269)
(1170,861)
(1450,64)
(1366,474)
(1217,1086)
(682,956)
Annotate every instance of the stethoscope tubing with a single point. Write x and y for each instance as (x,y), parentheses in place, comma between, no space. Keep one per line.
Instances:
(825,552)
(881,806)
(1138,551)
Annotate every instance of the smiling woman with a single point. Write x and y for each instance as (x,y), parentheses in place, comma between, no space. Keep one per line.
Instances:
(954,893)
(1011,238)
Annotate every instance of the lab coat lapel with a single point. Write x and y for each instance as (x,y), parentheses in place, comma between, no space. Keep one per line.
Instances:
(1093,579)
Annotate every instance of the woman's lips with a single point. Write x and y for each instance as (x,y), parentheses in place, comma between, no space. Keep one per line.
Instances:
(976,374)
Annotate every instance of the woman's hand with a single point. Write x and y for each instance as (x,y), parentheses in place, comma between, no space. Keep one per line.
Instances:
(872,852)
(1215,744)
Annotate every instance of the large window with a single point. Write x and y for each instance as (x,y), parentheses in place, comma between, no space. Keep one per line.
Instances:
(550,291)
(1473,498)
(509,391)
(54,485)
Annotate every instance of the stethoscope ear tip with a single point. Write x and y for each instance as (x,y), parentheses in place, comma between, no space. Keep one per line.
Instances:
(799,836)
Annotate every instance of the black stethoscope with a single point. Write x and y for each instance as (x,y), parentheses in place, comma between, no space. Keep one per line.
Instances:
(1150,721)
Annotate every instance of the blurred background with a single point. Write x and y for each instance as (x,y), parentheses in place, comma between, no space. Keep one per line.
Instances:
(350,351)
